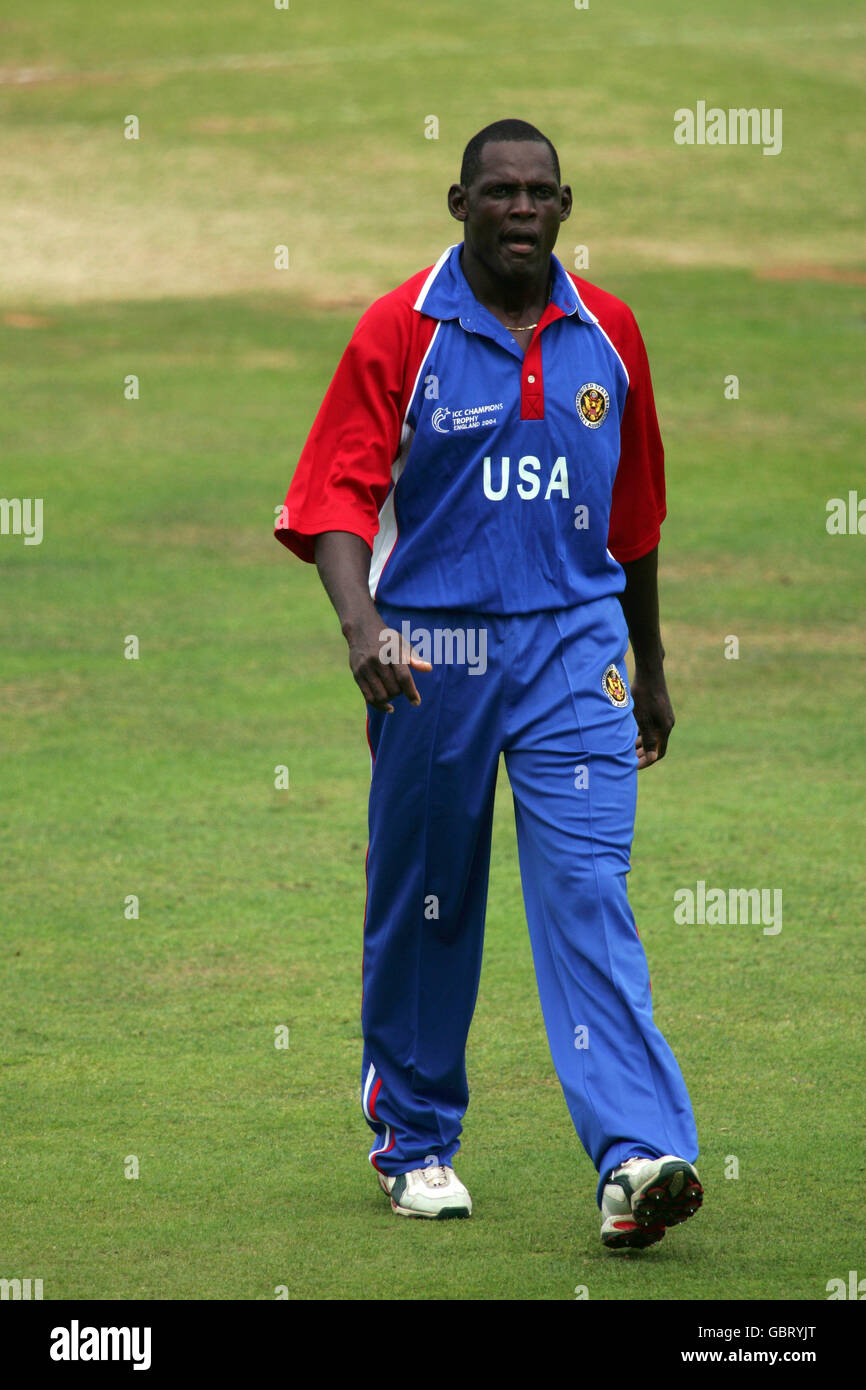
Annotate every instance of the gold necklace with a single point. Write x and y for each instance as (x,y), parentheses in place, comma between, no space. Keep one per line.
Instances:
(531,325)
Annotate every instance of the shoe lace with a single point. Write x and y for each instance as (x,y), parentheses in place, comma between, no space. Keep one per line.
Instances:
(435,1176)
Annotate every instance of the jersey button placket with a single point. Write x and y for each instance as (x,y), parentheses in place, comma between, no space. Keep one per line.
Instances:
(532,383)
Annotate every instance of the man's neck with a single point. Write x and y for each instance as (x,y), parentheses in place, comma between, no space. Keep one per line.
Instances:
(513,300)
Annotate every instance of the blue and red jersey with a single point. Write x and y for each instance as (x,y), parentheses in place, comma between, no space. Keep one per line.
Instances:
(481,478)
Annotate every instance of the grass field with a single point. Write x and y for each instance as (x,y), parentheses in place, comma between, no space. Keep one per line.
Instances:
(154,1037)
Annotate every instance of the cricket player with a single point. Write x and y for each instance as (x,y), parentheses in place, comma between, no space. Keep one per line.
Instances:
(482,492)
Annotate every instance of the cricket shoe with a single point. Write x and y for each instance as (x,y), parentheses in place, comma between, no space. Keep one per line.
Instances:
(643,1196)
(435,1192)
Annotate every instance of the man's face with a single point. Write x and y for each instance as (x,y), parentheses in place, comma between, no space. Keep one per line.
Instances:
(512,209)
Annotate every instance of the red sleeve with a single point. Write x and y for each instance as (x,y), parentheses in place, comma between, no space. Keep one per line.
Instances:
(638,502)
(344,472)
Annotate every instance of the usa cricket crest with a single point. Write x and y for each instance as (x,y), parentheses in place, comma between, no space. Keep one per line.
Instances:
(592,403)
(613,686)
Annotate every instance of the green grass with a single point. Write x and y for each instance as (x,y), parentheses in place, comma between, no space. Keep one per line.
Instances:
(155,1037)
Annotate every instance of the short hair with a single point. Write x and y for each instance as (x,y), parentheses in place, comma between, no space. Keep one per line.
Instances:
(510,130)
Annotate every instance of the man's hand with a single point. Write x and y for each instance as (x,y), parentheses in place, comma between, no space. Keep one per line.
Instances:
(372,648)
(379,658)
(652,705)
(655,718)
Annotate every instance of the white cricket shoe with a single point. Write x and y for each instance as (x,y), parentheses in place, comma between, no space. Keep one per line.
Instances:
(435,1192)
(643,1196)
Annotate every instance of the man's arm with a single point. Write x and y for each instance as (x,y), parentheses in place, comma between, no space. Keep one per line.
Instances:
(343,562)
(652,706)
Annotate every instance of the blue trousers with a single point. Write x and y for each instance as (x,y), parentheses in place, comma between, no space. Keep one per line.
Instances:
(541,689)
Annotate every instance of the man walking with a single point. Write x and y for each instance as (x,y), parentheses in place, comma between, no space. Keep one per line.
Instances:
(482,492)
